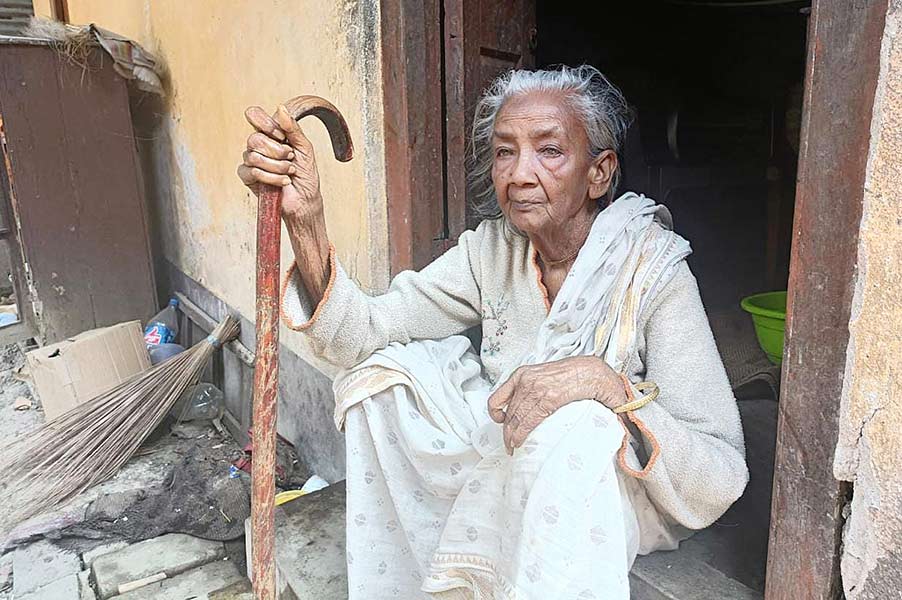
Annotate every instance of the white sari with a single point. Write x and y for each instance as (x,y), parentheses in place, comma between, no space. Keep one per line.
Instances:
(437,507)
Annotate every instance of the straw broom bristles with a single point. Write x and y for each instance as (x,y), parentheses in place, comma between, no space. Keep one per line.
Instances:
(88,444)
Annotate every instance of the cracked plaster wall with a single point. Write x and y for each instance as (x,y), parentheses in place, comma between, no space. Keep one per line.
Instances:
(869,451)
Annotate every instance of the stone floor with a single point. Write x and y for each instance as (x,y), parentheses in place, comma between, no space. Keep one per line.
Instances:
(169,567)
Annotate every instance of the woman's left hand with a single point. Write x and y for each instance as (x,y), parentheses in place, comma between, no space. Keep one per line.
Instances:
(534,392)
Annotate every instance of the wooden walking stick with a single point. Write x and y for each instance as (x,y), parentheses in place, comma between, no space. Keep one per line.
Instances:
(266,370)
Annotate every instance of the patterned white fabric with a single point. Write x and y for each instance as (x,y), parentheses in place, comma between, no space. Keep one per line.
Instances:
(434,502)
(620,267)
(436,507)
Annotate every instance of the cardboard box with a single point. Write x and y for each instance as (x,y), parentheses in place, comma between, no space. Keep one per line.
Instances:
(75,370)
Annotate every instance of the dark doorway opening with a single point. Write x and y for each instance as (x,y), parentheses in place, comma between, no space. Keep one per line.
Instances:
(716,89)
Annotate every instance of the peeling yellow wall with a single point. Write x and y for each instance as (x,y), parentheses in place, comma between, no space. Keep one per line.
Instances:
(869,452)
(221,58)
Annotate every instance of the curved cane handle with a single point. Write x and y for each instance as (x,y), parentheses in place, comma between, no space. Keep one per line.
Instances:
(322,109)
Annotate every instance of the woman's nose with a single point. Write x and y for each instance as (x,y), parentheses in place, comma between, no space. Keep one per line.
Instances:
(524,172)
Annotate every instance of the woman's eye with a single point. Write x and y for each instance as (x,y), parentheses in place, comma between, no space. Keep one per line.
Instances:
(503,152)
(551,151)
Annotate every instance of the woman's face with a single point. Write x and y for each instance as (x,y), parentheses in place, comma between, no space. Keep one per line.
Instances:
(542,171)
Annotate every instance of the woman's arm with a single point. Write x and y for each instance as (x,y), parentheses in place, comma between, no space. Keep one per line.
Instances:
(700,469)
(343,325)
(278,153)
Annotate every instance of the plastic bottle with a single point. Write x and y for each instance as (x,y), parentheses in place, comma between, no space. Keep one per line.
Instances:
(201,401)
(163,327)
(162,352)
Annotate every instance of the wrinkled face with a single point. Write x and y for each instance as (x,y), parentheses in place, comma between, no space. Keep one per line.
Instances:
(542,171)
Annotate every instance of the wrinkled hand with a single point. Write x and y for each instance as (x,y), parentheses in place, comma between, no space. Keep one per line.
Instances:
(534,392)
(278,153)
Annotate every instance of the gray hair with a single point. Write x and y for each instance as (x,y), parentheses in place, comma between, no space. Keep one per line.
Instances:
(598,103)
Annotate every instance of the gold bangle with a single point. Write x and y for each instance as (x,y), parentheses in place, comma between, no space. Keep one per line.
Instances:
(653,393)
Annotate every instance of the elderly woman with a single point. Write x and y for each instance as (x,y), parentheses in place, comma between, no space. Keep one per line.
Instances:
(596,423)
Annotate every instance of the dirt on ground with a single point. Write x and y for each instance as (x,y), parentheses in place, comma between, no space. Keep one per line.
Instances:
(15,391)
(198,496)
(179,481)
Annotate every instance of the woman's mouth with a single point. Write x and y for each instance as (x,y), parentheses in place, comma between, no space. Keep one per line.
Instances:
(524,204)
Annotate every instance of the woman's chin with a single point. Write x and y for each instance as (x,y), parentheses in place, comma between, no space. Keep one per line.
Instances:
(527,221)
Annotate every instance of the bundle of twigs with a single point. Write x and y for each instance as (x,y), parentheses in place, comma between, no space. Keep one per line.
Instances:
(88,444)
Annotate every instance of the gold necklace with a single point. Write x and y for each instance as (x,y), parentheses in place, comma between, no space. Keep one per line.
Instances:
(552,263)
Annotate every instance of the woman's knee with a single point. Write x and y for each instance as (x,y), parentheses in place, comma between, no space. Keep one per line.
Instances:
(571,419)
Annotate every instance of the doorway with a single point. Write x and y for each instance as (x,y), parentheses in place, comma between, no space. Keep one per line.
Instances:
(716,96)
(724,162)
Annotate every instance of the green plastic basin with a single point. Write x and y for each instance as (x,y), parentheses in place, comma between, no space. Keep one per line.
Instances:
(768,312)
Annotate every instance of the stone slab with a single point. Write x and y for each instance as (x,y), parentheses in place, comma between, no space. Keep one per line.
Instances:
(39,564)
(88,556)
(676,576)
(65,588)
(172,554)
(310,544)
(197,584)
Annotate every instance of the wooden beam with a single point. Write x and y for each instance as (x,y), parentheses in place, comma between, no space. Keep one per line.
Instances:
(59,10)
(208,323)
(806,526)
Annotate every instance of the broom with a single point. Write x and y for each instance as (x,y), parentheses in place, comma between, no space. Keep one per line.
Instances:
(89,443)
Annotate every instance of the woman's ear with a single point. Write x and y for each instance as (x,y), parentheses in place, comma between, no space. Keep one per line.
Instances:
(601,172)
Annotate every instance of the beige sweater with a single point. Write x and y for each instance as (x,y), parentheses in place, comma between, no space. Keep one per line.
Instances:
(691,457)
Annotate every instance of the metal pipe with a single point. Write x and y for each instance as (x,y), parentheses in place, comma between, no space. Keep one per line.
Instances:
(266,371)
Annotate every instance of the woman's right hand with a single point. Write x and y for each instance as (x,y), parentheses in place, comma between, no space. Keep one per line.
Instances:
(279,154)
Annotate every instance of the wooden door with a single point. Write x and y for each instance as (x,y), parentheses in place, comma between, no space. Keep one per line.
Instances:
(73,188)
(482,39)
(433,74)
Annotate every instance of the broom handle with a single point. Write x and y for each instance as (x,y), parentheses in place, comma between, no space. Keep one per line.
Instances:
(266,385)
(266,370)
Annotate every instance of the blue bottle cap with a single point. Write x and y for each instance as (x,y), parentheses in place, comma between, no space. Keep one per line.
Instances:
(173,302)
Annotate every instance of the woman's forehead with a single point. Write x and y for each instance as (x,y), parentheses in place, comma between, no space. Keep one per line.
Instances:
(537,114)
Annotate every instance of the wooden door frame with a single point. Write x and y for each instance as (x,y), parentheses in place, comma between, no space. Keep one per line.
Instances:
(59,10)
(840,83)
(413,128)
(842,68)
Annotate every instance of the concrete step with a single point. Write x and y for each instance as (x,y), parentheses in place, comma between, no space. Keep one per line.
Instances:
(169,554)
(310,558)
(198,584)
(676,576)
(240,590)
(42,563)
(310,546)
